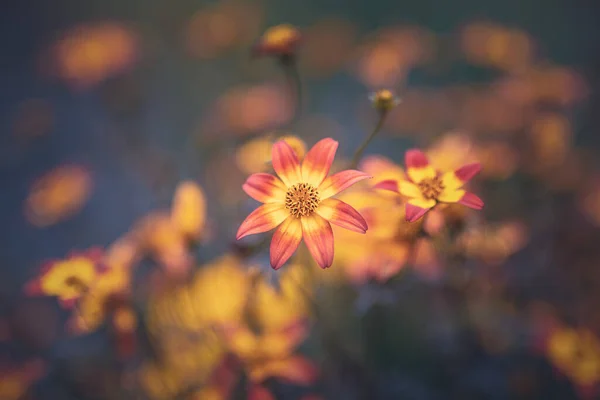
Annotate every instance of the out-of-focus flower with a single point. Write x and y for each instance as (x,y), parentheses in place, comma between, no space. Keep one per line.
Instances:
(280,40)
(221,27)
(550,136)
(88,54)
(68,279)
(15,381)
(188,211)
(496,46)
(327,46)
(494,243)
(58,195)
(576,353)
(384,100)
(255,155)
(388,58)
(426,187)
(299,203)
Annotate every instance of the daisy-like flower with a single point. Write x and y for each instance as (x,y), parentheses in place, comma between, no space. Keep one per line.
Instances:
(427,187)
(279,40)
(68,279)
(299,203)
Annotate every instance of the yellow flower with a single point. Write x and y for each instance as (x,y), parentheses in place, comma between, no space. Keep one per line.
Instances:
(189,209)
(280,40)
(255,155)
(68,279)
(384,100)
(577,354)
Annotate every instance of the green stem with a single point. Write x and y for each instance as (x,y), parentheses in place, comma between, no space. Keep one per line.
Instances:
(290,67)
(361,149)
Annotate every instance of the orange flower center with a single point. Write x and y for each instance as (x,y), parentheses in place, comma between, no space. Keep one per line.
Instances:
(431,187)
(302,199)
(76,283)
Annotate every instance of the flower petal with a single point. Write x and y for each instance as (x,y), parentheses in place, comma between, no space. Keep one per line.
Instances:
(285,163)
(382,168)
(285,241)
(450,195)
(258,392)
(339,213)
(318,160)
(409,189)
(335,183)
(318,235)
(416,208)
(388,184)
(264,218)
(417,166)
(456,179)
(472,201)
(265,188)
(295,370)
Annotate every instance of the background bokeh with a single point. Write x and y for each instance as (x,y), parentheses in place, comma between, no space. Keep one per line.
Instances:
(107,107)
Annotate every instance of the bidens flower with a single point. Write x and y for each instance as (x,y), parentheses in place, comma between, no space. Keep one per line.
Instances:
(280,40)
(300,203)
(384,100)
(426,187)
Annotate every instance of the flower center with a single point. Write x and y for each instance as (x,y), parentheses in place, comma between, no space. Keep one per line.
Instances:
(431,188)
(302,199)
(76,283)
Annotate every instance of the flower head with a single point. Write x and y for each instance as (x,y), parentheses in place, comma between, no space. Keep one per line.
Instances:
(279,40)
(384,100)
(68,279)
(425,187)
(299,202)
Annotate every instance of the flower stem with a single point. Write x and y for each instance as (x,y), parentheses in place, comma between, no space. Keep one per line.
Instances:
(361,149)
(290,67)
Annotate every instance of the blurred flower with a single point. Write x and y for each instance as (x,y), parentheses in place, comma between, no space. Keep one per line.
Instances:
(384,100)
(189,209)
(576,353)
(550,135)
(299,205)
(326,46)
(255,155)
(15,381)
(493,243)
(496,46)
(426,187)
(280,40)
(68,279)
(88,54)
(221,27)
(58,195)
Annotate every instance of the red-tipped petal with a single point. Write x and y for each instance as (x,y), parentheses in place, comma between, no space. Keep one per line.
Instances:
(265,188)
(387,185)
(33,288)
(285,163)
(285,241)
(68,303)
(335,183)
(263,219)
(415,210)
(417,166)
(472,201)
(339,213)
(467,172)
(318,236)
(318,160)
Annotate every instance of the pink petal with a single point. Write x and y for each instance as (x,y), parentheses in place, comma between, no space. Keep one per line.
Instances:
(339,213)
(257,392)
(334,184)
(415,158)
(285,241)
(413,213)
(472,201)
(33,288)
(285,163)
(381,168)
(318,236)
(68,303)
(264,218)
(387,185)
(467,172)
(265,188)
(318,160)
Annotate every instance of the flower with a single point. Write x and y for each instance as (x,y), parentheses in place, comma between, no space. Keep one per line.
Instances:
(189,209)
(279,40)
(299,203)
(68,279)
(425,186)
(384,100)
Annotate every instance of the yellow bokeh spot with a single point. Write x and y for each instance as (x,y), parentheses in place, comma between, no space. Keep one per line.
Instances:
(189,209)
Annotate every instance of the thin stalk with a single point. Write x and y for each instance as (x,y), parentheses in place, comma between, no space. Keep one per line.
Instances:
(361,149)
(290,68)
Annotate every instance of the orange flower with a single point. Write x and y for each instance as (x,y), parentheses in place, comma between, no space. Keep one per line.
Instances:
(68,279)
(426,187)
(299,204)
(280,40)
